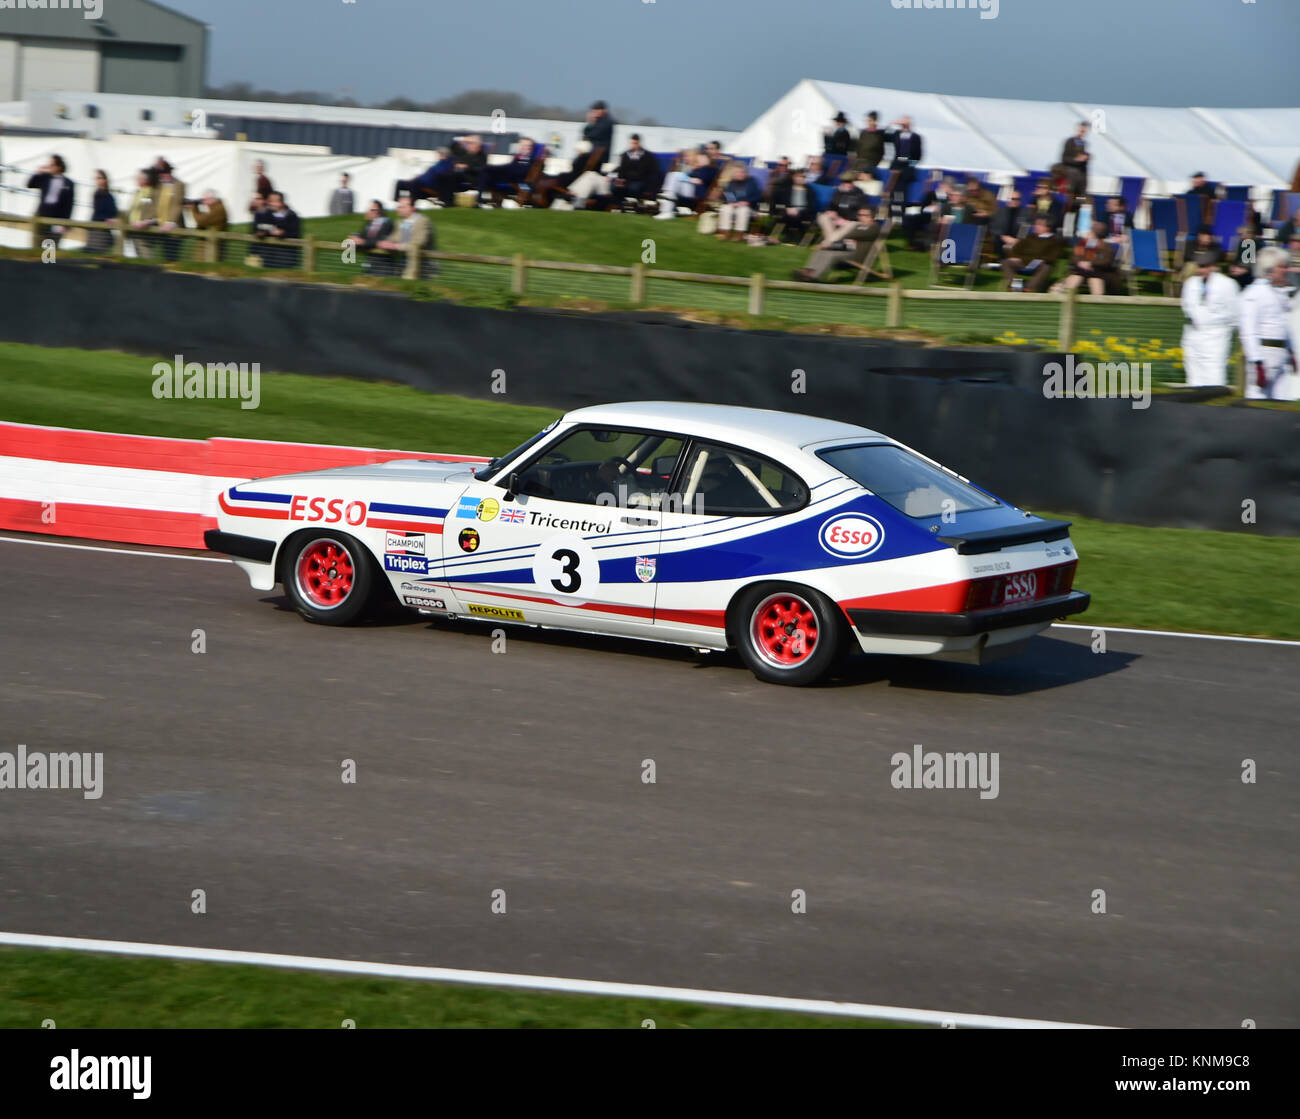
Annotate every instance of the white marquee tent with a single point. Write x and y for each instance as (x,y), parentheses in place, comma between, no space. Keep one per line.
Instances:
(1257,147)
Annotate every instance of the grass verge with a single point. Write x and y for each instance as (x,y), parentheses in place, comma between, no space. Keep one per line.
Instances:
(1161,578)
(90,991)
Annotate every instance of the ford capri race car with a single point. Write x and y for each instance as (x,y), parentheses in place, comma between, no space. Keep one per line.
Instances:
(790,538)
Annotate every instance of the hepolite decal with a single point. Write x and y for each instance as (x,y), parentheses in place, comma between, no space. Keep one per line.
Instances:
(851,534)
(505,613)
(405,544)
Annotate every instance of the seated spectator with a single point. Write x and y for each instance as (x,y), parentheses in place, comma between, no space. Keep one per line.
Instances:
(1094,262)
(57,195)
(690,186)
(1007,224)
(817,171)
(847,200)
(636,179)
(793,207)
(377,228)
(103,208)
(142,215)
(273,225)
(981,202)
(1031,259)
(935,205)
(413,233)
(462,170)
(1119,222)
(778,180)
(740,198)
(505,183)
(1045,204)
(425,184)
(592,153)
(849,245)
(342,200)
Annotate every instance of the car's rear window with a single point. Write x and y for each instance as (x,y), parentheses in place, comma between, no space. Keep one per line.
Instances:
(909,483)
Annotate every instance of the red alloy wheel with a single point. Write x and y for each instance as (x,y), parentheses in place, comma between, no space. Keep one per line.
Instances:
(325,574)
(784,630)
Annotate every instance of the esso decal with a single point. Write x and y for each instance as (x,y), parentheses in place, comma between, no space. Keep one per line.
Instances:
(852,534)
(328,510)
(1021,586)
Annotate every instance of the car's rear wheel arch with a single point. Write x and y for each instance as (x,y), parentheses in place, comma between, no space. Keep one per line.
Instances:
(830,625)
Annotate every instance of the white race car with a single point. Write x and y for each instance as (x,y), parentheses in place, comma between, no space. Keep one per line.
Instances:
(787,537)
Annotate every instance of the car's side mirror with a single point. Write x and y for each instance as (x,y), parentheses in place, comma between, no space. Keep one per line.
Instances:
(513,485)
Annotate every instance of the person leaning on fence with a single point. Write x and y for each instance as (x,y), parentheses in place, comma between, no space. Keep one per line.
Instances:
(1266,338)
(57,195)
(142,216)
(412,234)
(209,213)
(273,226)
(171,207)
(1210,310)
(377,228)
(103,207)
(1033,257)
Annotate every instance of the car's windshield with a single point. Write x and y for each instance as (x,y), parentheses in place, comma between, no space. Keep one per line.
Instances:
(909,483)
(489,468)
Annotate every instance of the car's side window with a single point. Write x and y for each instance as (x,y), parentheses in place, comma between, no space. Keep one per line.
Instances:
(725,481)
(606,466)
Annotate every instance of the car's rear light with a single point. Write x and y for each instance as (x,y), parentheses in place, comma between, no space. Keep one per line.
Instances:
(1021,586)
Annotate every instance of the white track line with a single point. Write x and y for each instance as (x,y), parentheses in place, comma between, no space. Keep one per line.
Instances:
(1179,633)
(1055,625)
(535,982)
(118,551)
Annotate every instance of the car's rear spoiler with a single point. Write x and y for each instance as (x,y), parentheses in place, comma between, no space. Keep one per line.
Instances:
(991,539)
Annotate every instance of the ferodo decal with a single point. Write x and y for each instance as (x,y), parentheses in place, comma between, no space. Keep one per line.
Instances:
(405,544)
(851,534)
(505,613)
(488,508)
(468,540)
(413,594)
(329,510)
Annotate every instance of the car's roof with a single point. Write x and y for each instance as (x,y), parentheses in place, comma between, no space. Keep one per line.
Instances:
(746,427)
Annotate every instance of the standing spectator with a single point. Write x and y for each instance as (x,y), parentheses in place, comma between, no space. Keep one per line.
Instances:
(871,144)
(209,212)
(103,208)
(1094,262)
(837,140)
(908,152)
(413,233)
(278,223)
(1204,195)
(171,203)
(637,178)
(1266,331)
(462,170)
(57,195)
(1033,256)
(1074,158)
(1005,228)
(342,200)
(142,215)
(794,207)
(261,184)
(740,198)
(1209,311)
(850,243)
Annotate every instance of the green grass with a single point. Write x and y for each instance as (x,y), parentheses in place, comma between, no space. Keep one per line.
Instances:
(1223,582)
(90,991)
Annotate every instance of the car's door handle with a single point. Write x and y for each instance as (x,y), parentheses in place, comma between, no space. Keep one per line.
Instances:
(638,521)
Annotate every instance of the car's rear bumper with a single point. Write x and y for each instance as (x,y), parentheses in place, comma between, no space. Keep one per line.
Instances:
(243,547)
(921,624)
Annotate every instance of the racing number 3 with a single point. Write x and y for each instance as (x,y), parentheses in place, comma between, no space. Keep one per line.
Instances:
(568,561)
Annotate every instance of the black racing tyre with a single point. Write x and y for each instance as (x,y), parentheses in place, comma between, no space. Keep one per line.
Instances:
(788,634)
(329,577)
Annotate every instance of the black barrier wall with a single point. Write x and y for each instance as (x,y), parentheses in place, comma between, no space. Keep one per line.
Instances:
(980,411)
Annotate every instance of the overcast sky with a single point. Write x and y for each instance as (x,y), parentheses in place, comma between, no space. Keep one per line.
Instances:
(722,62)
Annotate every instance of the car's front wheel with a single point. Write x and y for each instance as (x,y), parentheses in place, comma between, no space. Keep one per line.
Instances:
(329,578)
(789,635)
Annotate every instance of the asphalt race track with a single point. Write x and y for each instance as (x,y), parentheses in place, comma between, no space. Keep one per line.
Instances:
(475,772)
